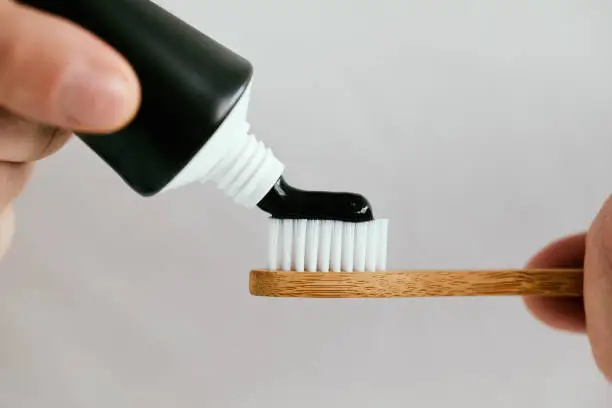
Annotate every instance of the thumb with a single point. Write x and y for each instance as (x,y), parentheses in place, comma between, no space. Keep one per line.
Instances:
(598,288)
(57,73)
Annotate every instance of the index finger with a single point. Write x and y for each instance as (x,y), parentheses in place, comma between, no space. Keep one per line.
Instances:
(560,313)
(55,72)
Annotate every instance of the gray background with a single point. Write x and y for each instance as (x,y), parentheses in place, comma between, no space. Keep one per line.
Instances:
(480,128)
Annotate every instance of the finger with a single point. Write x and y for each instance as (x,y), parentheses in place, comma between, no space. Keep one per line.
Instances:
(560,313)
(25,141)
(598,288)
(53,71)
(13,178)
(7,229)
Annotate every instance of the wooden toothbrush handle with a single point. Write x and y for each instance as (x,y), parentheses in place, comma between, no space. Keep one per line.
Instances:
(398,284)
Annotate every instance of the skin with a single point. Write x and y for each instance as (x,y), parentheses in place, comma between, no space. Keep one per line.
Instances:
(55,78)
(592,314)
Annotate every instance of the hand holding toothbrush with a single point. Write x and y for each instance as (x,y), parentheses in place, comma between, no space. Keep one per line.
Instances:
(591,314)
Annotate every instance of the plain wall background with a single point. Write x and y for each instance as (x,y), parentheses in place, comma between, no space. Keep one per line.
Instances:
(481,128)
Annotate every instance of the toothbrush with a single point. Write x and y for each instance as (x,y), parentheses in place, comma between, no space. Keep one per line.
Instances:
(408,284)
(345,255)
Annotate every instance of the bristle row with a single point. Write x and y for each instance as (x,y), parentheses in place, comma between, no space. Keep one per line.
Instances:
(327,246)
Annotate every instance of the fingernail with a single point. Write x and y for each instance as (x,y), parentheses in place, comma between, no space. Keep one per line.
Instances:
(93,98)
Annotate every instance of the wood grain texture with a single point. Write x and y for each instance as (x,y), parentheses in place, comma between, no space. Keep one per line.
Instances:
(394,284)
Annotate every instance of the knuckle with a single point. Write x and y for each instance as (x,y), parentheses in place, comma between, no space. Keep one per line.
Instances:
(22,140)
(10,123)
(52,139)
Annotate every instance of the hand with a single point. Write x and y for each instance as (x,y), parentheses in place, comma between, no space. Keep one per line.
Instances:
(54,78)
(592,314)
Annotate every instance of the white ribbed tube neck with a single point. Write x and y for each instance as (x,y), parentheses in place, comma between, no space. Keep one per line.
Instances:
(248,171)
(240,165)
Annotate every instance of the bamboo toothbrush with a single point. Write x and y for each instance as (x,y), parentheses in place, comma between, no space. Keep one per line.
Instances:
(340,259)
(313,258)
(398,284)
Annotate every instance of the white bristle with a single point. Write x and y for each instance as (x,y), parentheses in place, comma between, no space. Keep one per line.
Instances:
(299,245)
(312,245)
(335,262)
(286,249)
(274,233)
(360,247)
(348,246)
(381,257)
(324,246)
(371,252)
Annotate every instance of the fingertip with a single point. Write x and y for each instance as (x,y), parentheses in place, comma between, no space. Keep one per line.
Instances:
(566,314)
(567,252)
(130,92)
(98,100)
(133,99)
